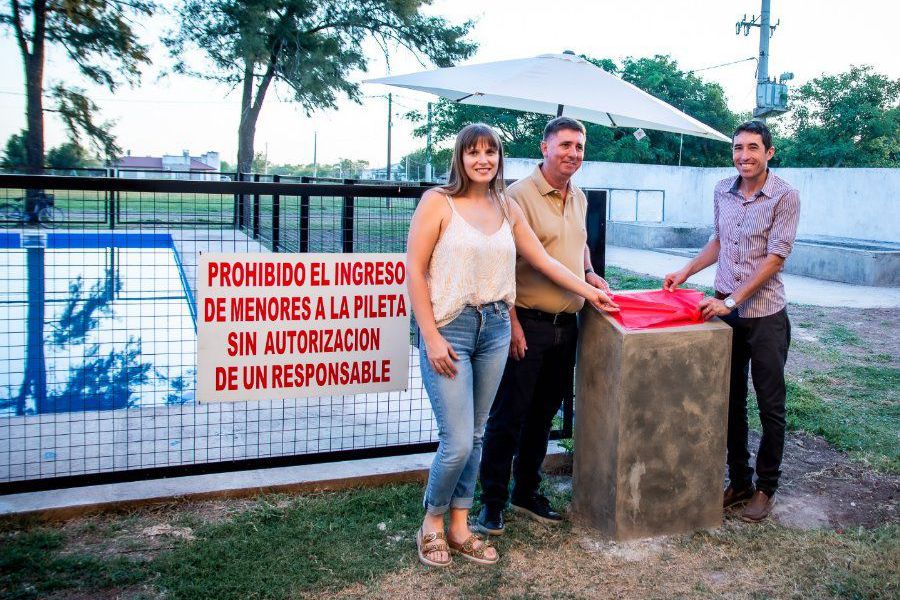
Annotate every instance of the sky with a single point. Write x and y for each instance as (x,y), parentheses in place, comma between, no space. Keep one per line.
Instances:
(167,113)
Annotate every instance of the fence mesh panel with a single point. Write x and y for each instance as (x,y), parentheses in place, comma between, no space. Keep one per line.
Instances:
(98,348)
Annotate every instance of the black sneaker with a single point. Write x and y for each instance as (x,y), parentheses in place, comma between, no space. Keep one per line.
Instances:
(537,507)
(490,521)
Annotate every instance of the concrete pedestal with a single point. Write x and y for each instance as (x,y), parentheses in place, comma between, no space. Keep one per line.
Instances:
(650,427)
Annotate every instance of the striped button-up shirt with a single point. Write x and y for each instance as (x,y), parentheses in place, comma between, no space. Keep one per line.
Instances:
(747,231)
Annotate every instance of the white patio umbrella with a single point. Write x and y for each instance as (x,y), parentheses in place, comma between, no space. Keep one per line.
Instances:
(555,84)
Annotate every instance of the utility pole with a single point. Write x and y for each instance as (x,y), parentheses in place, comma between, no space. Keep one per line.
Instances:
(771,97)
(428,168)
(390,98)
(315,162)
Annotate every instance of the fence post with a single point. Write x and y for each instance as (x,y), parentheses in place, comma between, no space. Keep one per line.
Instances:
(276,216)
(347,218)
(113,208)
(304,218)
(596,229)
(256,210)
(238,204)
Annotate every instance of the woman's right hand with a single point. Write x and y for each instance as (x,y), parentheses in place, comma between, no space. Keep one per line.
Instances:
(601,301)
(441,356)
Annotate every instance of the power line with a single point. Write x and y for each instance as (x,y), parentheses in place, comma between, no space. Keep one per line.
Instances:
(734,62)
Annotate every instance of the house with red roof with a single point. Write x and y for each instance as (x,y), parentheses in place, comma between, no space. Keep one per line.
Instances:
(170,166)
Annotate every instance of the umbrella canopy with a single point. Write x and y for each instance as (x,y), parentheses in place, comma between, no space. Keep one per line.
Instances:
(546,83)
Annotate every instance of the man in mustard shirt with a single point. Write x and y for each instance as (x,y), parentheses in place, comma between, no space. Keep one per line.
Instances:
(540,370)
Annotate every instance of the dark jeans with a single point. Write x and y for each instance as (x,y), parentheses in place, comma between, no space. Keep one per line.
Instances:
(762,344)
(530,394)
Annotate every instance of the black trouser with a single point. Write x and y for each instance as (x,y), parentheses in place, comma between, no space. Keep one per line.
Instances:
(530,394)
(762,343)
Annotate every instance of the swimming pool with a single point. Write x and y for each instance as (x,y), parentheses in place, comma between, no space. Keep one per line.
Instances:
(93,321)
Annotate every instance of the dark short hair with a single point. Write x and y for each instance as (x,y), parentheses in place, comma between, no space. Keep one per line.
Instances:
(755,127)
(560,123)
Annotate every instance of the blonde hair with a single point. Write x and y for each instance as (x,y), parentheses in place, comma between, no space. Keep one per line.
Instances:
(458,182)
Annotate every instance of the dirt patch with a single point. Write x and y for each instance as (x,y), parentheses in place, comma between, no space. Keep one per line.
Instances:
(823,487)
(819,487)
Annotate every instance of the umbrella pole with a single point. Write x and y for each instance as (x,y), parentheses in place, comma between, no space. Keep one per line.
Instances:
(559,110)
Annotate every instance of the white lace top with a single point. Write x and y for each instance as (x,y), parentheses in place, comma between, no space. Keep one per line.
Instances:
(470,267)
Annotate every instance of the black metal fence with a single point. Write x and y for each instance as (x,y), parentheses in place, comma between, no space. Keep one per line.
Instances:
(98,344)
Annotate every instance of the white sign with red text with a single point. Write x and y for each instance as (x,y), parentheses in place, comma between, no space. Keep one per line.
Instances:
(272,326)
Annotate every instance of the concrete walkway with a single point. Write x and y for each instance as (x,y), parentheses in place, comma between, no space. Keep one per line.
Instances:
(65,503)
(800,290)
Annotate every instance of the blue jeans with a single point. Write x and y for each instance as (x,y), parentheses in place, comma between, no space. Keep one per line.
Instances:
(480,338)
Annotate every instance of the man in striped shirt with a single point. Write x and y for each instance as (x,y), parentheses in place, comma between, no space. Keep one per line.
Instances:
(755,219)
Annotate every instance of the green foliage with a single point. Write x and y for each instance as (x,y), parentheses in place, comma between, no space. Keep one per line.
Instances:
(440,163)
(309,47)
(850,119)
(68,155)
(660,76)
(14,153)
(519,131)
(98,38)
(78,114)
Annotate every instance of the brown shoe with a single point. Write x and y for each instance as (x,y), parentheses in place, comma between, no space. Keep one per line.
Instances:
(758,508)
(733,497)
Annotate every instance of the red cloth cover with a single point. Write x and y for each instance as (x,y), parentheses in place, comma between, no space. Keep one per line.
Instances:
(659,308)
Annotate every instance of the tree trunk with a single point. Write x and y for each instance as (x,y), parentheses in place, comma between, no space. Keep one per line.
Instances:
(34,114)
(246,134)
(247,126)
(34,105)
(34,381)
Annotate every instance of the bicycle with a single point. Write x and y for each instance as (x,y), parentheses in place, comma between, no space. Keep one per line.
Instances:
(43,214)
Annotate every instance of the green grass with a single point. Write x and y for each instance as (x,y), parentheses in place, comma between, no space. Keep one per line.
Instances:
(851,399)
(33,565)
(840,335)
(313,545)
(319,542)
(855,408)
(621,279)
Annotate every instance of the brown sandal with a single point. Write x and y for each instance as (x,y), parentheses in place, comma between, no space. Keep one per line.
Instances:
(426,543)
(470,551)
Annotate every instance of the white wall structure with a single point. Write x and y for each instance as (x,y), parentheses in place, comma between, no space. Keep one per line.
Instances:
(849,203)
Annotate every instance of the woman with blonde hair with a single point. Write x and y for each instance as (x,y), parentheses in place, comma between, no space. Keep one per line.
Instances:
(461,256)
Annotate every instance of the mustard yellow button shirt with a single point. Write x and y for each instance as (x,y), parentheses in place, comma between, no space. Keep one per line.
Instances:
(560,226)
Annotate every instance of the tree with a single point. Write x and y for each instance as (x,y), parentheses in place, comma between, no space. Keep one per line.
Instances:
(440,163)
(851,119)
(69,155)
(98,37)
(14,154)
(260,164)
(660,76)
(310,46)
